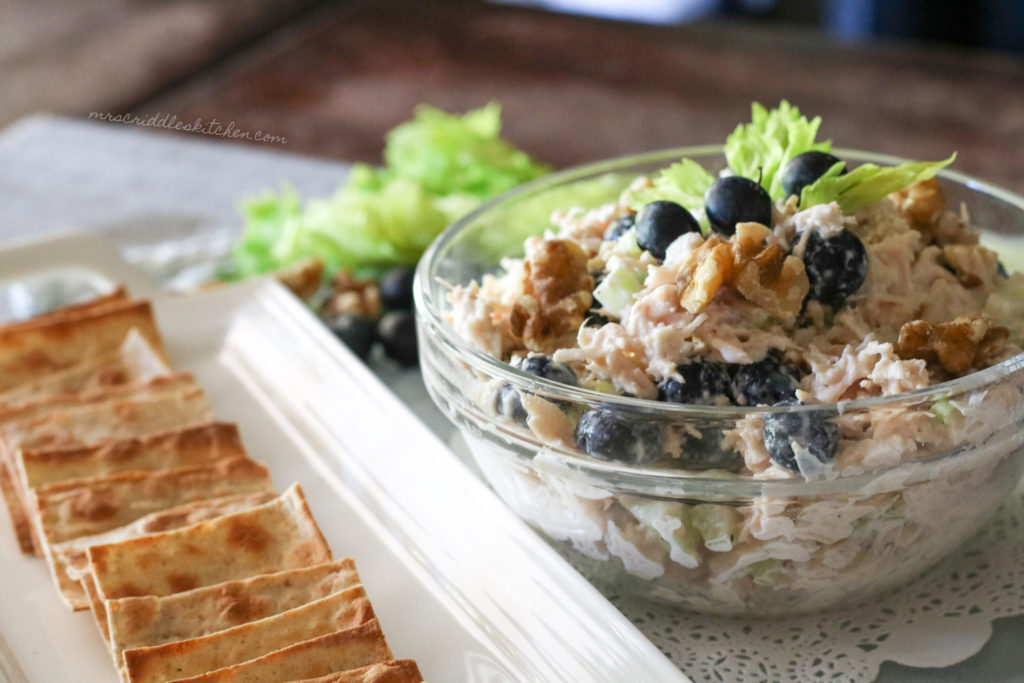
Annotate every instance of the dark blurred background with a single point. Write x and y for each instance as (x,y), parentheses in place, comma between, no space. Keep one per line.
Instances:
(995,24)
(578,80)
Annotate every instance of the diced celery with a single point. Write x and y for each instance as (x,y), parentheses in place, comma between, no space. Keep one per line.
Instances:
(617,289)
(604,386)
(763,573)
(627,244)
(943,410)
(670,522)
(716,525)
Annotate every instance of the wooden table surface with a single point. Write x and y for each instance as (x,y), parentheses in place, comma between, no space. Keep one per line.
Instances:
(333,77)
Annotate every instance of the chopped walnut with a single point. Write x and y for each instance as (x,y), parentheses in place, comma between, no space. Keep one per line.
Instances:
(975,266)
(766,276)
(922,203)
(749,239)
(557,291)
(958,345)
(355,297)
(775,281)
(712,266)
(302,277)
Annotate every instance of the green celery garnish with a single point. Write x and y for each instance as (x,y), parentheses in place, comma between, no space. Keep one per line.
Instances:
(449,154)
(867,183)
(684,183)
(759,149)
(439,166)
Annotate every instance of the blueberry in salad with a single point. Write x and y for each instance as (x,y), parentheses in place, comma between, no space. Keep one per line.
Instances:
(508,403)
(804,169)
(765,382)
(595,320)
(659,224)
(608,434)
(790,437)
(619,227)
(836,266)
(703,382)
(542,366)
(735,199)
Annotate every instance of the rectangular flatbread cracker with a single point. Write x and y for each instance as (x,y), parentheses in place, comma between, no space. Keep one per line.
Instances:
(69,561)
(350,649)
(147,621)
(277,535)
(280,534)
(398,671)
(194,445)
(32,348)
(81,508)
(85,507)
(117,296)
(331,614)
(135,361)
(157,407)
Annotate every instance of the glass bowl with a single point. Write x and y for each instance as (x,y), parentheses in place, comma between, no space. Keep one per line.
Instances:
(714,541)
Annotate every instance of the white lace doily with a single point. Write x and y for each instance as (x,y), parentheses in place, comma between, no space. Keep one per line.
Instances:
(941,618)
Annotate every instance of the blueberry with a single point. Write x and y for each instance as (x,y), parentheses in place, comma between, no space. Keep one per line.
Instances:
(357,333)
(705,452)
(508,403)
(619,226)
(542,366)
(396,288)
(765,382)
(595,320)
(659,224)
(608,434)
(735,199)
(804,169)
(704,383)
(811,432)
(397,333)
(836,267)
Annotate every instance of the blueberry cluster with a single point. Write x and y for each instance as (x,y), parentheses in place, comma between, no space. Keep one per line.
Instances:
(704,382)
(606,433)
(836,266)
(395,330)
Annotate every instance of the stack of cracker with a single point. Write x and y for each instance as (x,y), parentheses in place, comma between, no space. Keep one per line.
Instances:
(150,514)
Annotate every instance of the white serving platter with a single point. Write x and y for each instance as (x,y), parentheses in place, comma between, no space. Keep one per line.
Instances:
(458,582)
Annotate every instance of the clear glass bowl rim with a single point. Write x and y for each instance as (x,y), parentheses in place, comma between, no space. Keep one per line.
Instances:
(430,310)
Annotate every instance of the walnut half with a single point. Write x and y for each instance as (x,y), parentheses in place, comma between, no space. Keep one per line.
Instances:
(957,345)
(557,291)
(766,276)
